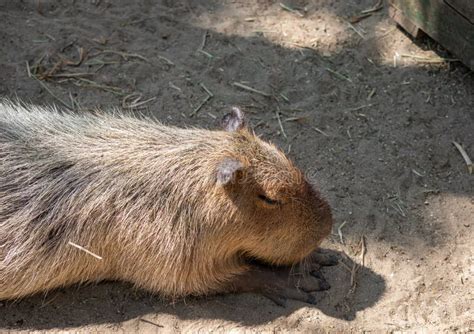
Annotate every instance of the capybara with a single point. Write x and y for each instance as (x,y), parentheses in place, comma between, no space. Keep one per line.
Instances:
(86,197)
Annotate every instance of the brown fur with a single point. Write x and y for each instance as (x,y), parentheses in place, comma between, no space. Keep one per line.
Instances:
(144,197)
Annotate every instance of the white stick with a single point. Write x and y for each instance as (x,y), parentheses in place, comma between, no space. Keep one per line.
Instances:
(470,166)
(85,250)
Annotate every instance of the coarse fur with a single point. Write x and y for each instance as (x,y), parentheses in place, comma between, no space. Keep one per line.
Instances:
(171,210)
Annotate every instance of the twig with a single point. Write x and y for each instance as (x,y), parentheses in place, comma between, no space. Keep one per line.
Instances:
(363,250)
(207,90)
(398,208)
(355,29)
(258,124)
(151,323)
(46,74)
(355,266)
(294,119)
(277,112)
(172,85)
(378,6)
(291,10)
(250,89)
(51,93)
(470,166)
(195,111)
(320,131)
(93,84)
(34,68)
(125,99)
(209,96)
(85,250)
(82,57)
(125,55)
(431,60)
(284,97)
(135,104)
(371,94)
(206,53)
(141,103)
(345,266)
(73,101)
(28,69)
(203,43)
(339,75)
(165,59)
(50,37)
(100,62)
(70,75)
(395,58)
(339,231)
(358,18)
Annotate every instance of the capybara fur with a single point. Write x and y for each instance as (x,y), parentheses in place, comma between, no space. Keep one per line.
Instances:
(174,211)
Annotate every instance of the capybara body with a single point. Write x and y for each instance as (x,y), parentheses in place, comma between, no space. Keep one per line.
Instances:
(174,211)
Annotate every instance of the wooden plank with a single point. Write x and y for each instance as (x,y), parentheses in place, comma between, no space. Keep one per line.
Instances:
(405,22)
(442,23)
(463,7)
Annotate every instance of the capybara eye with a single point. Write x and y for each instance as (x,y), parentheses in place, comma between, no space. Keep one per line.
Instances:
(268,200)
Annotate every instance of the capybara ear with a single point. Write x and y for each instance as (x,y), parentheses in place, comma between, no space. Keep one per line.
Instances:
(234,121)
(228,170)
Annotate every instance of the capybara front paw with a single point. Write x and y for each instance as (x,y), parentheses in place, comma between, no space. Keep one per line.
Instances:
(300,287)
(323,258)
(281,284)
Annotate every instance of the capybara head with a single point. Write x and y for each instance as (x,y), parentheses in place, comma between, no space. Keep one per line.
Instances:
(268,195)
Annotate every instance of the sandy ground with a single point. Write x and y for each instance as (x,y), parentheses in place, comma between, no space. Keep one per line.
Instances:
(360,112)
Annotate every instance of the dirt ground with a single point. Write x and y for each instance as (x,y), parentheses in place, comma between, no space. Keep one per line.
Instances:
(368,112)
